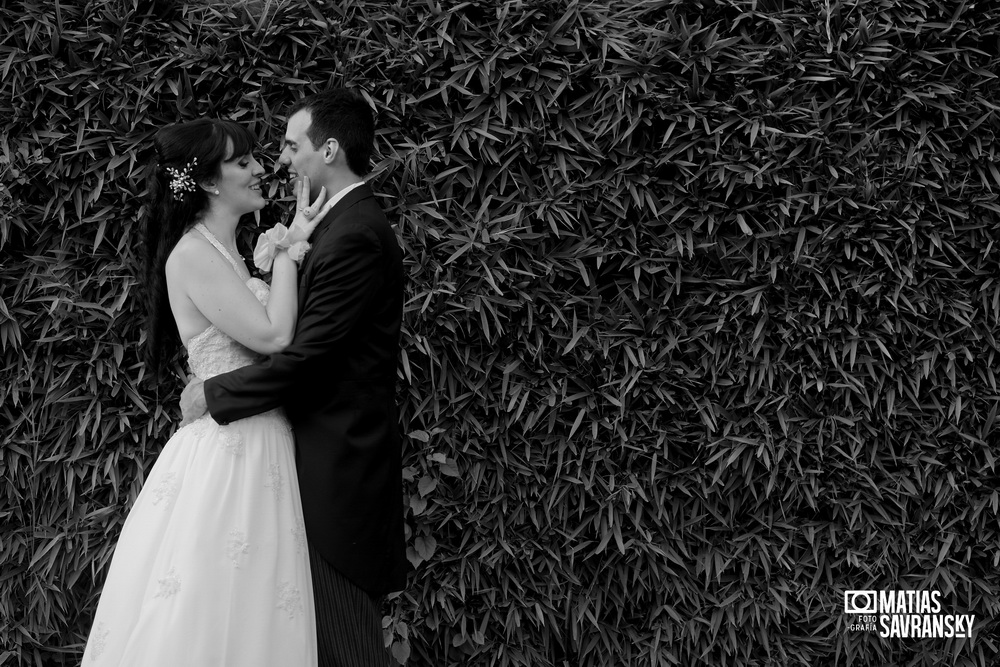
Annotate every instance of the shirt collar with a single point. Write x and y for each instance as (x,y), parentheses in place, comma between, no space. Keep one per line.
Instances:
(340,195)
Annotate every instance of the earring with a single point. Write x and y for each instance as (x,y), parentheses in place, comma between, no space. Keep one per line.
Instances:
(216,191)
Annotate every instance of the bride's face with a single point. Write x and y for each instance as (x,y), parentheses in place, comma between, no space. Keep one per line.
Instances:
(239,184)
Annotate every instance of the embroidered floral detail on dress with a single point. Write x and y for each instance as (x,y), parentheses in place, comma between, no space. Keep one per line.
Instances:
(232,440)
(289,599)
(237,546)
(274,481)
(170,585)
(198,427)
(98,641)
(166,489)
(299,534)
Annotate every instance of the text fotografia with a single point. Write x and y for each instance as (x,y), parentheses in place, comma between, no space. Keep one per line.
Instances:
(905,614)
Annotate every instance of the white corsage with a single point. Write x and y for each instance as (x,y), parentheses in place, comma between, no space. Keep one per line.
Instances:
(297,251)
(278,238)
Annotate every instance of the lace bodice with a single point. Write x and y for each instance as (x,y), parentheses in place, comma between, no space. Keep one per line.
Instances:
(212,352)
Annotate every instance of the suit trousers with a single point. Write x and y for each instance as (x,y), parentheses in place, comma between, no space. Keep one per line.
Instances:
(348,620)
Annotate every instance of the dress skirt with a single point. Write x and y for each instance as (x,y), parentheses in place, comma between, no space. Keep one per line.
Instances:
(212,566)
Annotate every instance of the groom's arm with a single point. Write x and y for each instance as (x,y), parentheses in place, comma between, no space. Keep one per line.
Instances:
(348,274)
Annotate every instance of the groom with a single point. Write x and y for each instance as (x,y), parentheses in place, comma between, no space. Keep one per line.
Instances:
(336,382)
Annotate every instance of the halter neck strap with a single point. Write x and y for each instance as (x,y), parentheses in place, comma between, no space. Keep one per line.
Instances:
(221,248)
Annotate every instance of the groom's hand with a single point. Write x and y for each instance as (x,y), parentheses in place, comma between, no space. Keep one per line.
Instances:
(193,404)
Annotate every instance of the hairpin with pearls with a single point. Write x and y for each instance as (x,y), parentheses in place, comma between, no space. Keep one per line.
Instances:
(180,179)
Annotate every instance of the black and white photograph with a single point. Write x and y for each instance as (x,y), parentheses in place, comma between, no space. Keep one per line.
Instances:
(499,333)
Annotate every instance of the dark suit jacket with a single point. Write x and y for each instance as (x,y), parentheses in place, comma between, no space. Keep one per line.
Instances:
(336,382)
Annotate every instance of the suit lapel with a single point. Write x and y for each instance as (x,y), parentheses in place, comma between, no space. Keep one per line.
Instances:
(349,200)
(331,219)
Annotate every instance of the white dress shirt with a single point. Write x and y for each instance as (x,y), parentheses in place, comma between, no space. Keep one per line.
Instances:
(340,195)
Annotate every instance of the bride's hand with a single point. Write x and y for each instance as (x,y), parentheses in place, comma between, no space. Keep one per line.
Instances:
(307,215)
(193,403)
(294,238)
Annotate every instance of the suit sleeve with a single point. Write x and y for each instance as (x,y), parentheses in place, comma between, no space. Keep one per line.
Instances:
(347,277)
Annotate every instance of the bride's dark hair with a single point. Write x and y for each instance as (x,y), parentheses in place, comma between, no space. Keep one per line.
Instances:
(187,155)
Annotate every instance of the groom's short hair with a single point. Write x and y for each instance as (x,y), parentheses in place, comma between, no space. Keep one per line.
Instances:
(344,115)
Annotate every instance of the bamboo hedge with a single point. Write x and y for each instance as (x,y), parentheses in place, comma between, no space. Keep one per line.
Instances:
(700,322)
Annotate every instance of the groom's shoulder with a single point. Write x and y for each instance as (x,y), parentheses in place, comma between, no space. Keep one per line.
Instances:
(360,222)
(365,211)
(370,201)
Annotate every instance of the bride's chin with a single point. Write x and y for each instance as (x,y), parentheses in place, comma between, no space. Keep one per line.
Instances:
(251,209)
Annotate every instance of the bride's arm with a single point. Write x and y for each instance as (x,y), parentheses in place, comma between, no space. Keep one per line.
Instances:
(203,279)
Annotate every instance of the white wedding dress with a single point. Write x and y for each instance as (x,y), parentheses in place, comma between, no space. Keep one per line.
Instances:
(212,569)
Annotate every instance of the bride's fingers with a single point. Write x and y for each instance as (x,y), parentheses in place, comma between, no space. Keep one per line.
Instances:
(319,199)
(303,191)
(323,211)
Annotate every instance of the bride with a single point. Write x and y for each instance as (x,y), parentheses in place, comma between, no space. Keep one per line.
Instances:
(212,568)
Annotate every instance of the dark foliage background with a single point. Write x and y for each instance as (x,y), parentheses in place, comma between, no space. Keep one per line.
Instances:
(700,328)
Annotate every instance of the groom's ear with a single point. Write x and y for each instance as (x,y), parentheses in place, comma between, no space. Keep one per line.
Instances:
(330,150)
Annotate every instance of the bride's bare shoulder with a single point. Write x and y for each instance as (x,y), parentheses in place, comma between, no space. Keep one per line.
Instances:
(192,254)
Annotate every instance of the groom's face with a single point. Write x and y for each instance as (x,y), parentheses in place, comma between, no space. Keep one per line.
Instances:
(299,155)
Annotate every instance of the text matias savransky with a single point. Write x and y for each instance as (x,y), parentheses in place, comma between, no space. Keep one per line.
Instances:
(905,614)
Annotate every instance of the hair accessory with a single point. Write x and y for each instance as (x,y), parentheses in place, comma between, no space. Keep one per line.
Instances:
(180,179)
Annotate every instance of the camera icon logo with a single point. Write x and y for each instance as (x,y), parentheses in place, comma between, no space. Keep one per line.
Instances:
(860,602)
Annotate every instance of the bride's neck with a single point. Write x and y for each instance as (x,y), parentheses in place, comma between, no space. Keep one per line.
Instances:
(222,227)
